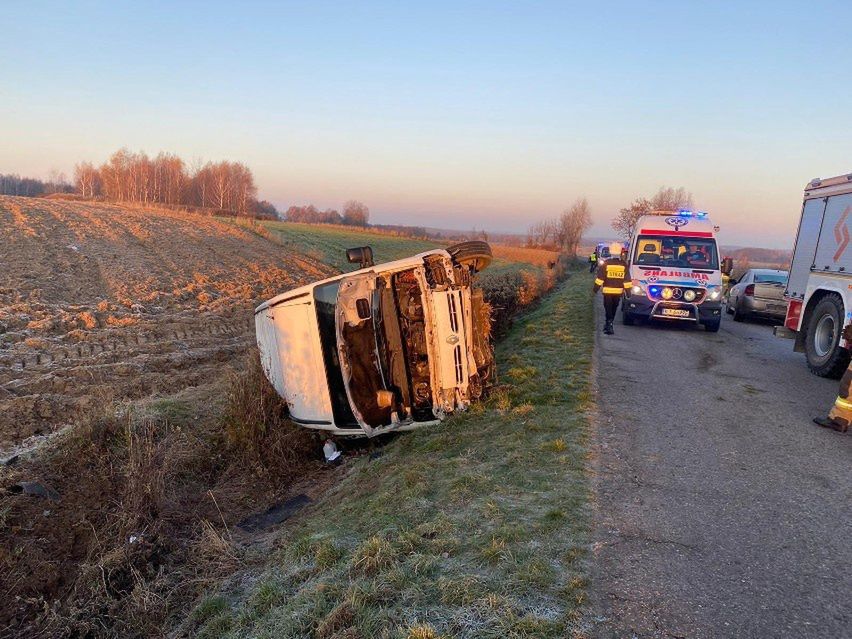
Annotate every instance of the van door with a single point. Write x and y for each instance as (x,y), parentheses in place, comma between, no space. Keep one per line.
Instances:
(834,253)
(806,246)
(290,336)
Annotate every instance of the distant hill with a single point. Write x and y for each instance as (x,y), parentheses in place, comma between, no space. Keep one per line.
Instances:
(754,256)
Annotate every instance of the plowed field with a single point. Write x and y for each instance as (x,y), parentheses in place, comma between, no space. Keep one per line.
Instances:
(100,301)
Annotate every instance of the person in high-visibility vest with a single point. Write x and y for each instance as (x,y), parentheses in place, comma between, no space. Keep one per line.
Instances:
(593,261)
(612,279)
(840,416)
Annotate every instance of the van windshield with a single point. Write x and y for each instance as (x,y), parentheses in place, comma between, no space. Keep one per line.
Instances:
(325,298)
(678,252)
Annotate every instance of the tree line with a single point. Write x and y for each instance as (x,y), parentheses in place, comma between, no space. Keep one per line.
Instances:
(166,179)
(355,213)
(13,184)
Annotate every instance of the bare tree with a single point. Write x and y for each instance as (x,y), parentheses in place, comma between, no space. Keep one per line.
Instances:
(670,199)
(665,199)
(543,234)
(356,213)
(573,223)
(87,179)
(625,222)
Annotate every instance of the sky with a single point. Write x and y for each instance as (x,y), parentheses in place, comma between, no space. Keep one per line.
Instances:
(448,114)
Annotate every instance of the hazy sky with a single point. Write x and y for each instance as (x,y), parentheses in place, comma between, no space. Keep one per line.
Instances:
(453,114)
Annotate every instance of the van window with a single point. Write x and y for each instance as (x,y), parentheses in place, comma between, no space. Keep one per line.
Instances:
(770,278)
(676,252)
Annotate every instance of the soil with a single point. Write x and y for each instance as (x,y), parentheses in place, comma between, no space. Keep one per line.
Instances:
(105,301)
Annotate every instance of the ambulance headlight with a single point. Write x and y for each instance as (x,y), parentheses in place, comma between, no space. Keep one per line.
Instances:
(714,295)
(688,295)
(667,293)
(637,289)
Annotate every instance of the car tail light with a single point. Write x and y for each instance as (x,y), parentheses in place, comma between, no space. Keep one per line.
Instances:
(794,313)
(749,290)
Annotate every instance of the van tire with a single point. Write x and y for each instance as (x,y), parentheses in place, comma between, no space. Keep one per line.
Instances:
(713,327)
(836,360)
(476,254)
(627,318)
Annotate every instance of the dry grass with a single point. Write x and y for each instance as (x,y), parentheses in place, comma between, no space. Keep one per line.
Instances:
(535,256)
(151,493)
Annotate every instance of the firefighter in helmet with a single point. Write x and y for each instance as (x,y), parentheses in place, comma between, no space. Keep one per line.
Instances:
(612,279)
(840,416)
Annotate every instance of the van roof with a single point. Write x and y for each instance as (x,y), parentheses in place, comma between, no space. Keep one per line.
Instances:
(675,225)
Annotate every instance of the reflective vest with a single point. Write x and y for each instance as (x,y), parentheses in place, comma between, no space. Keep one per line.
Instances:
(612,277)
(593,258)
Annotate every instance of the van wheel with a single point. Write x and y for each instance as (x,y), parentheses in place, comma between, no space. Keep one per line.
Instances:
(713,327)
(739,316)
(822,338)
(476,254)
(628,319)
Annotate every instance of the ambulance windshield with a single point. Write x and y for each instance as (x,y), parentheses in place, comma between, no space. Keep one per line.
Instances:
(679,252)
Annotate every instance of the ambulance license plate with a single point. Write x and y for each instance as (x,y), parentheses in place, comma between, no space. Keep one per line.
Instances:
(676,312)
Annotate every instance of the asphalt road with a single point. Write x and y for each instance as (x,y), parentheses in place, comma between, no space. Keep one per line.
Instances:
(721,510)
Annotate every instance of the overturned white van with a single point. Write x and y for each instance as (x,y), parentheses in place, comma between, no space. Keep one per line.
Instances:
(387,347)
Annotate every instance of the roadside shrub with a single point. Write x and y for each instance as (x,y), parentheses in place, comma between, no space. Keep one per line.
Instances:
(508,291)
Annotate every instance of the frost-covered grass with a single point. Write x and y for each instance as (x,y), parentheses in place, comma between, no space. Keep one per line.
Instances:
(475,528)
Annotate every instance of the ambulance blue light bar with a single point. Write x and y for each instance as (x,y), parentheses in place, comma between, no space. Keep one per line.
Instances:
(688,213)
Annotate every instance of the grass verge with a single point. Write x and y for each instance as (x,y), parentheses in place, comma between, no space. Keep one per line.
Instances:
(475,528)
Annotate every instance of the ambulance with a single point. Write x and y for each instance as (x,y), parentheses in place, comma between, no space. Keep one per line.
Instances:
(676,273)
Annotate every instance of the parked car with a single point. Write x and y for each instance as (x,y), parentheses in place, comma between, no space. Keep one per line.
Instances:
(387,347)
(759,292)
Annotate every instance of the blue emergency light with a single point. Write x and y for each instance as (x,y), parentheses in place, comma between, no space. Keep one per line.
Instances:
(688,213)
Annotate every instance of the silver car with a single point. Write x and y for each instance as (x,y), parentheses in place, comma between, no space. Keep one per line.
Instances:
(759,292)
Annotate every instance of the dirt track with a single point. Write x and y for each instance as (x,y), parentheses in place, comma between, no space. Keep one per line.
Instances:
(103,301)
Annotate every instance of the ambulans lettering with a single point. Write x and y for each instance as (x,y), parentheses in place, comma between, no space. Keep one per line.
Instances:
(667,273)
